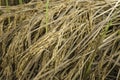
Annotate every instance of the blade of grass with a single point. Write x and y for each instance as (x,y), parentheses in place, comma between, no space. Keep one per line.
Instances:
(20,2)
(7,5)
(47,5)
(0,3)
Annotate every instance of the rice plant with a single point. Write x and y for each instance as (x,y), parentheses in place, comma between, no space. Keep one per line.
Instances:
(60,40)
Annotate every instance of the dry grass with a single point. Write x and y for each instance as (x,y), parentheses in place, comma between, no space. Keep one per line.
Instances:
(82,41)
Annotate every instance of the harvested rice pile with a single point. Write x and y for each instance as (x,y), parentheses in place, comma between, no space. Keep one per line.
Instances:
(69,40)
